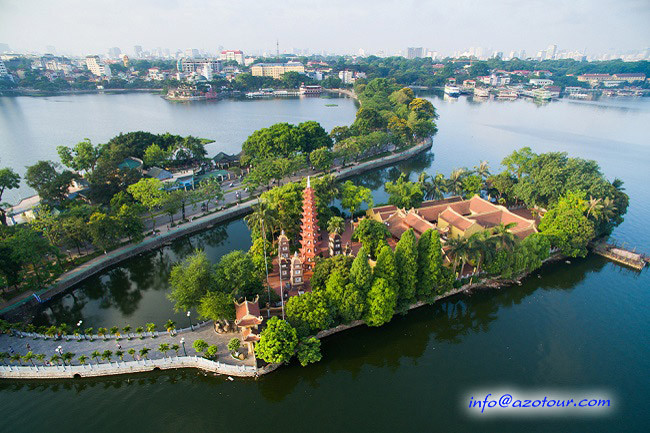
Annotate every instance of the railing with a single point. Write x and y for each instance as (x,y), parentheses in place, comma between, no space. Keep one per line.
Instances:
(132,334)
(124,367)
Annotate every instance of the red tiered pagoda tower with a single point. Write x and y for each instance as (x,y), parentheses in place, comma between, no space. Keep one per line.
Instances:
(309,228)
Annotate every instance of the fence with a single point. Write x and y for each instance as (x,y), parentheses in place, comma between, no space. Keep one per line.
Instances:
(125,367)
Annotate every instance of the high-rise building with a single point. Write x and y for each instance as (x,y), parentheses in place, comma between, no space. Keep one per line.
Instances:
(137,49)
(97,67)
(236,55)
(198,65)
(551,51)
(114,53)
(414,52)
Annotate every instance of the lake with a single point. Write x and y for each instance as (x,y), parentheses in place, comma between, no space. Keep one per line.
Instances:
(569,327)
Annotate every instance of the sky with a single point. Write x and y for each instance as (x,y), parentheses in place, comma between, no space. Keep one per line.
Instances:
(82,27)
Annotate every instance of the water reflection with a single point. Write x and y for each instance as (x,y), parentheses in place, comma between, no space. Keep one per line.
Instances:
(127,293)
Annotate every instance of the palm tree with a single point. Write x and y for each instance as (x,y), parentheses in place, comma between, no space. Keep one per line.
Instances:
(54,359)
(163,348)
(594,206)
(3,356)
(140,330)
(16,357)
(144,352)
(95,355)
(170,325)
(455,181)
(336,224)
(68,356)
(64,328)
(131,352)
(29,357)
(458,250)
(102,332)
(120,354)
(608,209)
(126,330)
(481,245)
(89,333)
(262,216)
(114,330)
(175,348)
(483,170)
(504,237)
(83,359)
(107,355)
(151,327)
(41,357)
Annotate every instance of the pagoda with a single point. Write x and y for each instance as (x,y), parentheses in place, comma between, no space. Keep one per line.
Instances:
(309,227)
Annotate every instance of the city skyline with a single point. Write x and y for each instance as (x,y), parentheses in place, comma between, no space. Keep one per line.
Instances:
(438,26)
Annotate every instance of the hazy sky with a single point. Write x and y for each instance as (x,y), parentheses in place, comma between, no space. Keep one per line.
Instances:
(92,26)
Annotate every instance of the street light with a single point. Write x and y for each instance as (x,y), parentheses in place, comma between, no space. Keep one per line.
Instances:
(79,323)
(59,350)
(183,343)
(190,320)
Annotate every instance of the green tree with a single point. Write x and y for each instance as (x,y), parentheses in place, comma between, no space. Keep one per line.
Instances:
(83,359)
(149,192)
(321,158)
(325,267)
(190,280)
(129,222)
(211,351)
(472,185)
(404,194)
(163,348)
(236,274)
(361,272)
(50,185)
(336,224)
(381,303)
(568,226)
(406,262)
(144,352)
(95,355)
(199,345)
(518,162)
(309,313)
(278,341)
(352,196)
(9,179)
(104,230)
(155,156)
(309,351)
(234,344)
(216,306)
(371,233)
(82,156)
(210,189)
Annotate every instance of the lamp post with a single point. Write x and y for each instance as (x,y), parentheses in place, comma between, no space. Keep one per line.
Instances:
(183,343)
(190,320)
(80,331)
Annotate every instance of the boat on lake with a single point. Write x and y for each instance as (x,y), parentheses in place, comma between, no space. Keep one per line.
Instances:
(452,90)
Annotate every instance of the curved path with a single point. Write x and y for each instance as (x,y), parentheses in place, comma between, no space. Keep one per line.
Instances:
(21,344)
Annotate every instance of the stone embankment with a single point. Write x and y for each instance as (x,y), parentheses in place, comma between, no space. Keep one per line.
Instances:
(112,258)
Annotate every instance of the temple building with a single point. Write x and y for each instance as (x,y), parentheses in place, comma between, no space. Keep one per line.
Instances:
(335,244)
(283,257)
(247,319)
(309,229)
(297,271)
(452,217)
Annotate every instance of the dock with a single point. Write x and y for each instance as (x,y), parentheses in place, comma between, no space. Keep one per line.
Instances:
(621,255)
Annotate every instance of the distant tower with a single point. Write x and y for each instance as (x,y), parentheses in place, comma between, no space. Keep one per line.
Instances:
(277,48)
(309,227)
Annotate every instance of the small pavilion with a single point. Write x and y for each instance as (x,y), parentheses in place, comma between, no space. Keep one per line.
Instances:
(247,319)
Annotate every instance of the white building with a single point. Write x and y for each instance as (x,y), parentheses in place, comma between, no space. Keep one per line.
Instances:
(198,65)
(97,67)
(236,55)
(3,69)
(540,82)
(347,76)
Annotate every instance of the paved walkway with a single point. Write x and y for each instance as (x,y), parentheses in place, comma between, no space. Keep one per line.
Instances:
(86,347)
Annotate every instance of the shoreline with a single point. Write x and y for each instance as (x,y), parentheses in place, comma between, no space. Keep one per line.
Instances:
(69,279)
(144,366)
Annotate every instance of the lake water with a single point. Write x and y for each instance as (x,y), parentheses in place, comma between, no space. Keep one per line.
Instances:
(569,327)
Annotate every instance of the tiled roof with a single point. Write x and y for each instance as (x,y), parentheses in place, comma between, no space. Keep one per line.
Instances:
(247,313)
(455,219)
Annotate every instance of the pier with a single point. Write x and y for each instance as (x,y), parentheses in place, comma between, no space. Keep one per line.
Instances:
(621,255)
